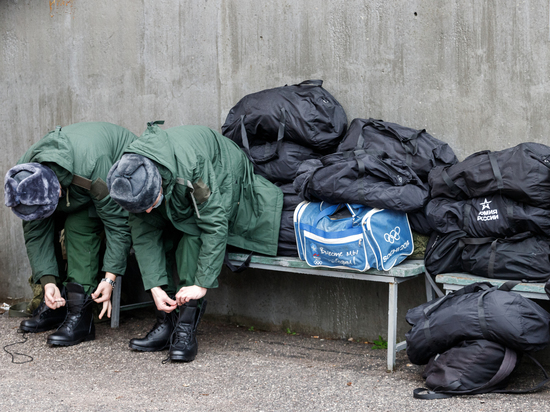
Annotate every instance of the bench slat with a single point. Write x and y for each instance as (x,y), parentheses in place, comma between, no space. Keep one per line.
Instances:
(408,268)
(463,279)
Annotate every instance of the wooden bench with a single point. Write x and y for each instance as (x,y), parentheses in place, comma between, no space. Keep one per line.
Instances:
(455,281)
(407,270)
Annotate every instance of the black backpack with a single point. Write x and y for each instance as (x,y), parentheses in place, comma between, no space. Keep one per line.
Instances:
(477,311)
(472,367)
(417,148)
(521,172)
(303,113)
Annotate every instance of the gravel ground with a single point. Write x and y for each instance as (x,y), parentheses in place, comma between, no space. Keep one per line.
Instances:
(236,369)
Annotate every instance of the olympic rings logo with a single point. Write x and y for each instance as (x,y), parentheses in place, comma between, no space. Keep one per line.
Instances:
(393,236)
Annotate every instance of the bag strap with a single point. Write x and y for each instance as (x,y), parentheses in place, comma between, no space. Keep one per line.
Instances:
(418,393)
(275,153)
(496,170)
(454,189)
(237,269)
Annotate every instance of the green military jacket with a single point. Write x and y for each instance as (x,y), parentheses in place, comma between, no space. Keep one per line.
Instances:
(211,191)
(87,150)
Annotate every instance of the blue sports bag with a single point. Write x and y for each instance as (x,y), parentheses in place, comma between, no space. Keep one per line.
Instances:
(349,236)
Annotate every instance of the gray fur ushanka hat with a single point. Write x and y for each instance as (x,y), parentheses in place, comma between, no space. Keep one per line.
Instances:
(31,190)
(134,182)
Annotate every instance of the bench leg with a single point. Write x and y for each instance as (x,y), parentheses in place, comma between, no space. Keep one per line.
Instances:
(115,303)
(392,325)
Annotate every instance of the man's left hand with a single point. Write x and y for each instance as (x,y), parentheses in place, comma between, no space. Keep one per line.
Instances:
(103,295)
(188,293)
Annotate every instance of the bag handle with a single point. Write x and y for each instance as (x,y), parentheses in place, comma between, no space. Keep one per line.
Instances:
(311,83)
(333,209)
(280,135)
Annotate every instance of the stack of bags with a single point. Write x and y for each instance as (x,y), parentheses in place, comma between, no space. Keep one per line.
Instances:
(491,215)
(279,129)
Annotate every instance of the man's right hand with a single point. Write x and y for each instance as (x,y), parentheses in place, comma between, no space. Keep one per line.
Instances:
(162,300)
(52,296)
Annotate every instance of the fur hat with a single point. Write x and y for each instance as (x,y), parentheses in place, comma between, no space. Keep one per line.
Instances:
(31,190)
(134,182)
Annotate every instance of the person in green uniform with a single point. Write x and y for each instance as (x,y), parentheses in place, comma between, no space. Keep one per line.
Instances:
(190,192)
(60,184)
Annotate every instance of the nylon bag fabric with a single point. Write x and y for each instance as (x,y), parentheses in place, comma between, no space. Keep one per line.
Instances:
(472,366)
(493,215)
(477,311)
(521,172)
(352,237)
(420,150)
(522,257)
(303,113)
(361,178)
(283,168)
(443,254)
(287,237)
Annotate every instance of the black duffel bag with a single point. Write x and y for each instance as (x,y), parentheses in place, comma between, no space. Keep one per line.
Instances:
(303,113)
(521,172)
(492,215)
(443,254)
(420,150)
(361,178)
(473,367)
(477,311)
(287,236)
(524,257)
(283,168)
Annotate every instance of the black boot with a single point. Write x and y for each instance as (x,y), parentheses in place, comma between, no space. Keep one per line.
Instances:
(184,345)
(44,319)
(158,338)
(78,325)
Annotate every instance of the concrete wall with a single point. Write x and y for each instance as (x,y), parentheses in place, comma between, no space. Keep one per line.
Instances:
(473,73)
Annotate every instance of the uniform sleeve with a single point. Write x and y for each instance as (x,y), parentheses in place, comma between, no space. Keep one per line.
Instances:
(213,225)
(115,221)
(148,244)
(39,241)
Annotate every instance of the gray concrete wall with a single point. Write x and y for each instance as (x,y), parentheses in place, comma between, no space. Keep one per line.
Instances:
(473,73)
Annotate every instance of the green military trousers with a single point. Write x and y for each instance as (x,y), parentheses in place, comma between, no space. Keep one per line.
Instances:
(83,237)
(181,250)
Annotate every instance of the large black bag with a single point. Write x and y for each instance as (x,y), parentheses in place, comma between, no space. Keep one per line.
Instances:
(283,168)
(477,311)
(473,367)
(493,215)
(303,113)
(417,148)
(361,178)
(521,172)
(521,257)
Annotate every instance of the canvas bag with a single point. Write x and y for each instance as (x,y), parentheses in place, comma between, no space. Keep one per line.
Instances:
(303,113)
(349,236)
(477,311)
(473,367)
(417,148)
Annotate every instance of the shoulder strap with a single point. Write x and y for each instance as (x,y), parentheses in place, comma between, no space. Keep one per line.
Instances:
(82,182)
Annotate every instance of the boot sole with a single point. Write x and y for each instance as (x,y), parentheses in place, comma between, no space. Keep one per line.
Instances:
(37,330)
(145,349)
(181,359)
(56,342)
